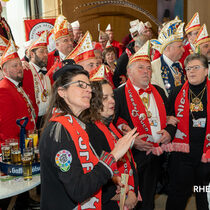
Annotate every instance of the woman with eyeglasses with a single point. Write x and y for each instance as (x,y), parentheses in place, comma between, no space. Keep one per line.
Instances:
(189,164)
(72,175)
(103,136)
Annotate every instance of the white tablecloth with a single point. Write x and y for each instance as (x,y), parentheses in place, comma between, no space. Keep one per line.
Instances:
(11,186)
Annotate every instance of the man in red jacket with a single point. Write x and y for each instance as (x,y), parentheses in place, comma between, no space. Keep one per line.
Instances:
(16,101)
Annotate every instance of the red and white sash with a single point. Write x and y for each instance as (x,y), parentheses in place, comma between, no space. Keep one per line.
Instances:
(81,141)
(123,166)
(138,113)
(181,140)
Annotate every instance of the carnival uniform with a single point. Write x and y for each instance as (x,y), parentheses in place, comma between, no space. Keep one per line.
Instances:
(71,172)
(28,87)
(163,76)
(188,166)
(102,138)
(148,165)
(14,105)
(187,51)
(42,88)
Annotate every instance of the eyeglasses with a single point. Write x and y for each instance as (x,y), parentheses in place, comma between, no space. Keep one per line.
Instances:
(81,84)
(197,67)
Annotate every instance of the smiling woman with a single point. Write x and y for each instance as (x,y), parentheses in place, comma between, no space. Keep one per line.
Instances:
(189,163)
(196,69)
(72,174)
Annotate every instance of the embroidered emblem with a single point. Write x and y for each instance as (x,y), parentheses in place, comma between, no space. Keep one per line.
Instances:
(63,160)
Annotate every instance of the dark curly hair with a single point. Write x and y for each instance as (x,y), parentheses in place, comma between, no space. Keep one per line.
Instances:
(93,114)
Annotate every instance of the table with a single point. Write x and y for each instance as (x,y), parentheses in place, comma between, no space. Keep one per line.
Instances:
(11,186)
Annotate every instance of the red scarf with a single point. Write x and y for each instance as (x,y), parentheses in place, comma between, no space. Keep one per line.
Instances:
(181,140)
(81,141)
(123,166)
(138,113)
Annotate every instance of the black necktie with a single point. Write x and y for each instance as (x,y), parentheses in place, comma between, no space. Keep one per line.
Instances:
(43,71)
(177,65)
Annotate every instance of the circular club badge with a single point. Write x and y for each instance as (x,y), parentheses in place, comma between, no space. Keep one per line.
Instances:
(37,30)
(63,160)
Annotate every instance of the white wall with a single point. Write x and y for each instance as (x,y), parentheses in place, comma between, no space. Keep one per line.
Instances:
(15,14)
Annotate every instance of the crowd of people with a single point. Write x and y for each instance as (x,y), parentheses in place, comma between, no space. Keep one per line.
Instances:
(104,109)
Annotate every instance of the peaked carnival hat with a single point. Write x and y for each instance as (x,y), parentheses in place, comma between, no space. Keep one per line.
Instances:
(171,32)
(9,53)
(99,73)
(108,44)
(61,27)
(108,28)
(194,24)
(3,43)
(202,36)
(102,72)
(139,27)
(75,25)
(84,49)
(40,42)
(134,23)
(142,54)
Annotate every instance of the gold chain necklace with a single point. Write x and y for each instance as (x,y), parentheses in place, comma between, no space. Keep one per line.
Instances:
(146,102)
(196,104)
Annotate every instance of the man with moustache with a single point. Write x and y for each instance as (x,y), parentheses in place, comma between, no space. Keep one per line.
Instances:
(140,104)
(42,86)
(167,70)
